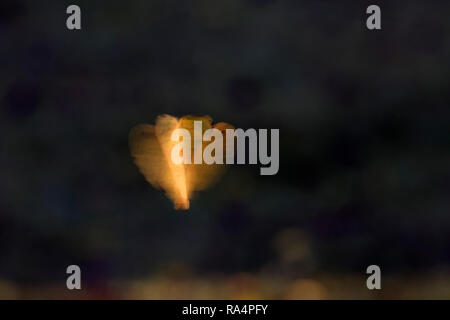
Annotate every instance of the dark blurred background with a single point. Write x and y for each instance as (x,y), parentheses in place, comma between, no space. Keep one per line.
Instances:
(364,148)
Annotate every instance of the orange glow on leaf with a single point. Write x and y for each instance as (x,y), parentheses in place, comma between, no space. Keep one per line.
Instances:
(151,147)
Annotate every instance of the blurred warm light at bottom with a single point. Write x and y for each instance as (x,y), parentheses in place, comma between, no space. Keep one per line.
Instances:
(183,284)
(306,289)
(244,286)
(8,291)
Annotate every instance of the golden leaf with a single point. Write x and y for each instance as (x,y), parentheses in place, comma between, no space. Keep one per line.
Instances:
(151,147)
